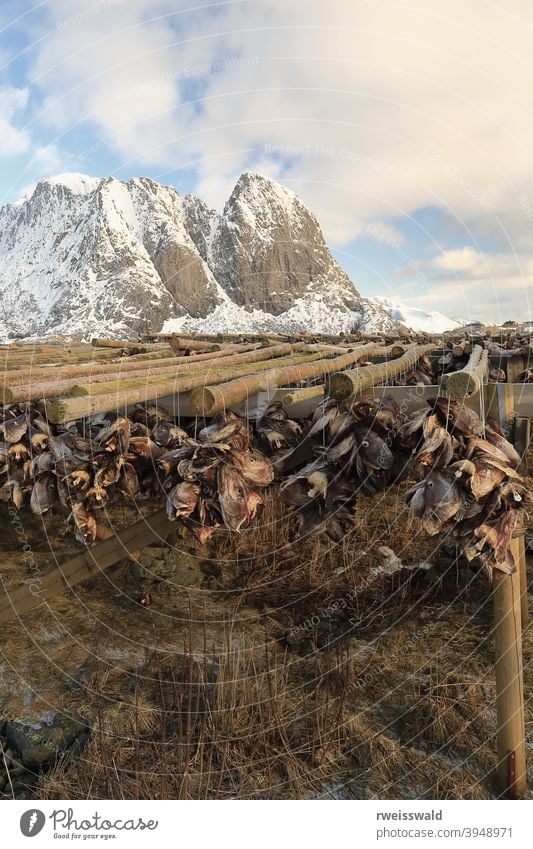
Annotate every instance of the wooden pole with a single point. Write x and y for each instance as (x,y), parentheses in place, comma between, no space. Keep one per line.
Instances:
(522,436)
(461,348)
(511,764)
(213,399)
(343,384)
(14,359)
(87,564)
(519,553)
(140,390)
(508,619)
(116,343)
(515,367)
(179,344)
(295,396)
(469,380)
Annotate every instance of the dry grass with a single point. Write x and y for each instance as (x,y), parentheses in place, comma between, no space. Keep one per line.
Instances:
(283,673)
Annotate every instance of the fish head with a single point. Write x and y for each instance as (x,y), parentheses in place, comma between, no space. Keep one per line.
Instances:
(184,498)
(18,453)
(95,497)
(373,449)
(254,467)
(220,431)
(39,442)
(129,482)
(168,434)
(15,428)
(43,494)
(233,496)
(440,489)
(457,417)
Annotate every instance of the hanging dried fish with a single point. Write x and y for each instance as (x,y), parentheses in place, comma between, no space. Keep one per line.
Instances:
(472,489)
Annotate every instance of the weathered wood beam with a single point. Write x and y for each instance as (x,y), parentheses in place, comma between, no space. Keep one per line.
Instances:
(469,380)
(208,400)
(178,343)
(522,434)
(114,343)
(462,348)
(87,564)
(343,384)
(306,393)
(515,365)
(510,730)
(125,394)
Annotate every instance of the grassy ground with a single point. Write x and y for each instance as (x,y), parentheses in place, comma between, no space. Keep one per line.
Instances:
(265,667)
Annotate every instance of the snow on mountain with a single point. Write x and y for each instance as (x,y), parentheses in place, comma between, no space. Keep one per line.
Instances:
(417,319)
(312,312)
(80,184)
(70,262)
(87,256)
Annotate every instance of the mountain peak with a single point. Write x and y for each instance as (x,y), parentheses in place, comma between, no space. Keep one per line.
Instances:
(252,184)
(255,177)
(99,256)
(79,184)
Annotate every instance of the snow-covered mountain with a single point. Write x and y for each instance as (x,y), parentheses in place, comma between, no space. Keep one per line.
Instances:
(84,256)
(417,319)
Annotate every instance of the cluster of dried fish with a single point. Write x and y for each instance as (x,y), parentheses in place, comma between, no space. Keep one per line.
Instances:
(526,376)
(355,447)
(213,480)
(208,481)
(471,488)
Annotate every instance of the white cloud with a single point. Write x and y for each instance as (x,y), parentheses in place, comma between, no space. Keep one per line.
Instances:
(46,157)
(369,110)
(12,140)
(393,107)
(475,284)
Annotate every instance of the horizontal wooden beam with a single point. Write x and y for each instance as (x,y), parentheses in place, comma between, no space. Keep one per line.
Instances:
(468,380)
(89,563)
(343,384)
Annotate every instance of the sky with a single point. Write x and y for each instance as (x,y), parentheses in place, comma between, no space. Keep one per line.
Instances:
(406,126)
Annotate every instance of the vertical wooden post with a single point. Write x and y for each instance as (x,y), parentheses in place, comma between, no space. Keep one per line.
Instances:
(492,401)
(508,600)
(521,440)
(518,548)
(511,765)
(522,436)
(515,365)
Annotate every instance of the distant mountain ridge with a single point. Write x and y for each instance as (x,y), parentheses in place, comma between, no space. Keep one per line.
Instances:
(84,256)
(417,319)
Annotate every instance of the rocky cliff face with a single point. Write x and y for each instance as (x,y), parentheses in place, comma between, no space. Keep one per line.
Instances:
(87,256)
(268,250)
(163,229)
